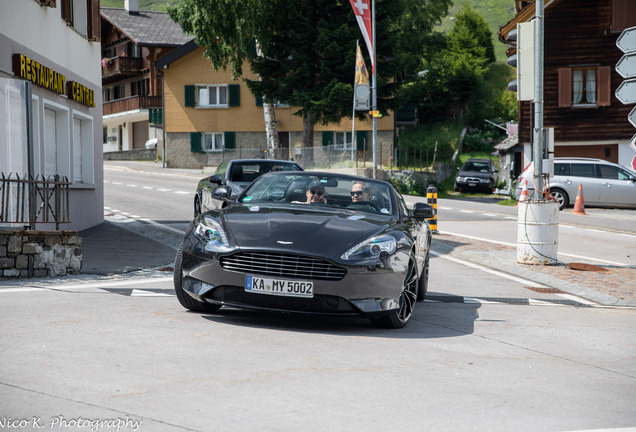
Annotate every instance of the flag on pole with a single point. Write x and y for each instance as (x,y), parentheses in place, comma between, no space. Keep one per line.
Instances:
(362,11)
(362,74)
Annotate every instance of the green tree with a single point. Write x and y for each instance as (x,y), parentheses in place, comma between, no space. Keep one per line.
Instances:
(455,73)
(308,47)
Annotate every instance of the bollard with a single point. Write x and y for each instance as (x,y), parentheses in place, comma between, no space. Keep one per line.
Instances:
(431,199)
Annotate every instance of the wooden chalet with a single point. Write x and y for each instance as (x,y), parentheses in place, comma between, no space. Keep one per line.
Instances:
(580,80)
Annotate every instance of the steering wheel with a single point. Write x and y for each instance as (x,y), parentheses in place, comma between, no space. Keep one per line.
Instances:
(363,205)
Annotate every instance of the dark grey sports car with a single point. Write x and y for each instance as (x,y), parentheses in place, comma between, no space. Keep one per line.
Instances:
(307,242)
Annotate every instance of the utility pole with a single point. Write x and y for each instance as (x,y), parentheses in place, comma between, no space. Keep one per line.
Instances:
(539,137)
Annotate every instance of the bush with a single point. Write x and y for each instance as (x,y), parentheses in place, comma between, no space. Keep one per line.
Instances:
(408,182)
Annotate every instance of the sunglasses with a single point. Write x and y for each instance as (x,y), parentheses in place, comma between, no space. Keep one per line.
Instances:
(318,192)
(357,193)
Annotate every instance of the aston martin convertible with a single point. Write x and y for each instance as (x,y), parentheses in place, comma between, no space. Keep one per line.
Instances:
(311,243)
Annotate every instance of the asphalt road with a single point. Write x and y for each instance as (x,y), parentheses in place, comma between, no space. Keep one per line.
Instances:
(486,351)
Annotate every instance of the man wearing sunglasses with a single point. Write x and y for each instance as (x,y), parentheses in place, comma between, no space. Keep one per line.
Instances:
(360,192)
(315,195)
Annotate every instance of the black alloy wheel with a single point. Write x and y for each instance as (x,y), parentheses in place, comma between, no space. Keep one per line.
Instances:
(422,283)
(401,317)
(185,299)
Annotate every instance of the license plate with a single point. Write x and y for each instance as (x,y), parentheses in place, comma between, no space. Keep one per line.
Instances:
(472,184)
(281,287)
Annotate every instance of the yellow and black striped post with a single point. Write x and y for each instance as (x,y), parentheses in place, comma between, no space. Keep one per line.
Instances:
(431,199)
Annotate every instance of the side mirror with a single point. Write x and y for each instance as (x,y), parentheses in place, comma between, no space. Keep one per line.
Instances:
(423,211)
(222,193)
(217,179)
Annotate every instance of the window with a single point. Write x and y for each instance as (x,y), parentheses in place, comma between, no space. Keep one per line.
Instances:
(212,142)
(583,170)
(343,140)
(56,141)
(212,96)
(613,173)
(584,86)
(82,148)
(83,16)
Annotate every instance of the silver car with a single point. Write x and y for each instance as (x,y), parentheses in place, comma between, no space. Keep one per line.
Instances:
(604,184)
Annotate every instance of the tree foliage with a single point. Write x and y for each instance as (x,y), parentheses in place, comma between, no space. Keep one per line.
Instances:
(308,47)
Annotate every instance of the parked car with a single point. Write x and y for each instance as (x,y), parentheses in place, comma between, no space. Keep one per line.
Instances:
(479,175)
(604,184)
(152,143)
(235,174)
(270,250)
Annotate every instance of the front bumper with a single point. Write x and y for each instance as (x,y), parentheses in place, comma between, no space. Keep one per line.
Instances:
(369,290)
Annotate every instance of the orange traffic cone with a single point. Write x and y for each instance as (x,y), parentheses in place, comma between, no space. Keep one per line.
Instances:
(523,197)
(579,206)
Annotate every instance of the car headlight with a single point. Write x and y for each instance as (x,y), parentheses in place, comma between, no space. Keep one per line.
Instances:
(484,180)
(371,248)
(212,233)
(461,179)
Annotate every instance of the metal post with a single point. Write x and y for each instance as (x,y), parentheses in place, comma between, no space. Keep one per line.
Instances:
(538,101)
(431,199)
(374,94)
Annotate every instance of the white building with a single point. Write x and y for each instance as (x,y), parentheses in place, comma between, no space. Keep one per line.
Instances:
(54,45)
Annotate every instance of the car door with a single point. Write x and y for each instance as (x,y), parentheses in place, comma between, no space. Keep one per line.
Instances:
(583,174)
(617,186)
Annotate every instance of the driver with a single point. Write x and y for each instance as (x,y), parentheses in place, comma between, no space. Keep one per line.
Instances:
(360,192)
(315,194)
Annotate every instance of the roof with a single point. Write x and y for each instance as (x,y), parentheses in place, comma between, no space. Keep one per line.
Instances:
(524,15)
(507,143)
(176,54)
(147,27)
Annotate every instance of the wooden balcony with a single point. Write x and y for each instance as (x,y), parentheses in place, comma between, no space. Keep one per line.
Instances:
(132,103)
(118,68)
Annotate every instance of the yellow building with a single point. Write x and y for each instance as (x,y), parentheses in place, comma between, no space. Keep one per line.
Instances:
(210,118)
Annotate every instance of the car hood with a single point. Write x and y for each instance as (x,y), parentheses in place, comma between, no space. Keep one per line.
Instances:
(321,231)
(474,174)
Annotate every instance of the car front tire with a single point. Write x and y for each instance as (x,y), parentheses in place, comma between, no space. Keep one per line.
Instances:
(197,206)
(401,317)
(185,299)
(422,283)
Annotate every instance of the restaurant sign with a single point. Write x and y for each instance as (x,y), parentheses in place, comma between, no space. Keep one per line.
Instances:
(40,75)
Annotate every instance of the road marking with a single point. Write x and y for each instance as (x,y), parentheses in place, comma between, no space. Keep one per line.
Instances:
(515,245)
(525,282)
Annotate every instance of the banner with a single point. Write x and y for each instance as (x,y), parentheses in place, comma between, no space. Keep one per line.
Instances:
(362,74)
(362,11)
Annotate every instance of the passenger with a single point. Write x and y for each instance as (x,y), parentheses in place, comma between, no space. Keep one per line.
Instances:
(315,195)
(360,192)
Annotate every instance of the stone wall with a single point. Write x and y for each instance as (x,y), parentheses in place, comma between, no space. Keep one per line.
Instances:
(26,253)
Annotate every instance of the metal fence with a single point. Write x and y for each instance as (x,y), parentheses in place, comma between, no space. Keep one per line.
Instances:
(331,156)
(34,200)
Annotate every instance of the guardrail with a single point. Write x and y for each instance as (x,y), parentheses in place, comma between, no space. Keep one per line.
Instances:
(30,201)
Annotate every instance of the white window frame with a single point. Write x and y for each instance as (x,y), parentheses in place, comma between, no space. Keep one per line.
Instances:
(83,150)
(342,140)
(215,144)
(203,92)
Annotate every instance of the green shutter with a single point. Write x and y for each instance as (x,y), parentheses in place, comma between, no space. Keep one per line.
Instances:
(230,140)
(195,141)
(151,116)
(189,96)
(235,95)
(360,137)
(159,117)
(259,101)
(327,138)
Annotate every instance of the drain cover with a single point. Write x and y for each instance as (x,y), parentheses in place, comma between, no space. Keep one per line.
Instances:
(545,290)
(586,267)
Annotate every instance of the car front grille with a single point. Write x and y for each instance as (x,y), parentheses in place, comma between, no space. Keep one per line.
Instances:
(282,265)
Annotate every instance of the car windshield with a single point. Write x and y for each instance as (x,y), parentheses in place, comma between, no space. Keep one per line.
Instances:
(297,189)
(247,172)
(477,167)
